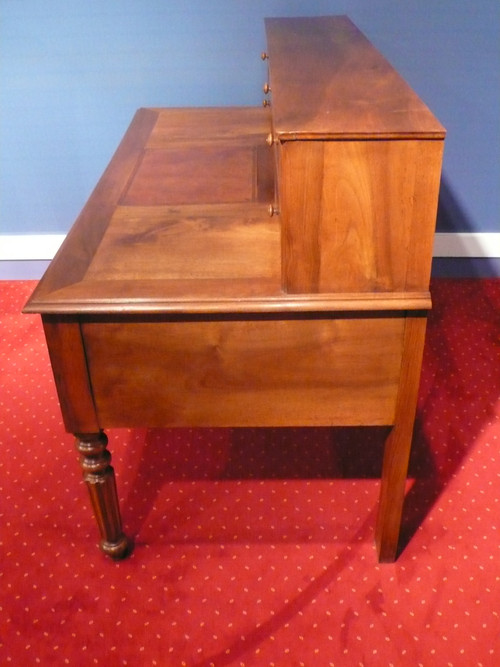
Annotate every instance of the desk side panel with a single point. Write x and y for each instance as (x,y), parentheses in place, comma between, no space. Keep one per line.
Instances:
(262,372)
(358,216)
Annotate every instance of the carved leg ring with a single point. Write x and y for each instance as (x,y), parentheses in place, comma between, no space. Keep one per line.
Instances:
(100,479)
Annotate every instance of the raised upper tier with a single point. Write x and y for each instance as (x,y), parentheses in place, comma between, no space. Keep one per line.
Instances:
(327,81)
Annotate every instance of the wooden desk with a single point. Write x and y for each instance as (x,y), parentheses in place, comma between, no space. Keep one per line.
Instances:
(177,300)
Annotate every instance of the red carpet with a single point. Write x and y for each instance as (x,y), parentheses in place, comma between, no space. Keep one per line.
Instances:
(255,547)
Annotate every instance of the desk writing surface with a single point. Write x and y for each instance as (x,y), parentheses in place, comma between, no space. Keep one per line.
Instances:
(149,240)
(182,210)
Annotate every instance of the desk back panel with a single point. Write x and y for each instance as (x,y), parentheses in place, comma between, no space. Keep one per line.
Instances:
(254,372)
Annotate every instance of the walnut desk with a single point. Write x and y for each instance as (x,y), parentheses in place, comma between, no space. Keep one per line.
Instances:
(255,266)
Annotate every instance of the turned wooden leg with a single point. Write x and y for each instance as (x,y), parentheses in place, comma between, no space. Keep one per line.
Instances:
(398,444)
(100,479)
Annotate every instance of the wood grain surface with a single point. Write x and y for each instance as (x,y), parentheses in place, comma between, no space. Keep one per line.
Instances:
(247,372)
(328,80)
(358,215)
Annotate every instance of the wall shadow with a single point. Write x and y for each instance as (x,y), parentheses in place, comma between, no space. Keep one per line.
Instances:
(452,218)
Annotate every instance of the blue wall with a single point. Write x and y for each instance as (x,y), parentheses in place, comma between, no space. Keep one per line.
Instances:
(74,71)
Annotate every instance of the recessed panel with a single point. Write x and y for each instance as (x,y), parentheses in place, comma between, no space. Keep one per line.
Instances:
(194,175)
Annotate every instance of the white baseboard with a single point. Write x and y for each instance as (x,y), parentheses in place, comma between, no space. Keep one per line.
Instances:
(484,245)
(29,247)
(35,247)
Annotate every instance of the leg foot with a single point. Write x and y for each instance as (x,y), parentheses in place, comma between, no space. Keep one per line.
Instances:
(117,550)
(99,477)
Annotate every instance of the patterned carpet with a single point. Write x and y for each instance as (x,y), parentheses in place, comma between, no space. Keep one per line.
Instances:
(255,546)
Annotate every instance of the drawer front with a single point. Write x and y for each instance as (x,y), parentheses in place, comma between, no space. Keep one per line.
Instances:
(245,373)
